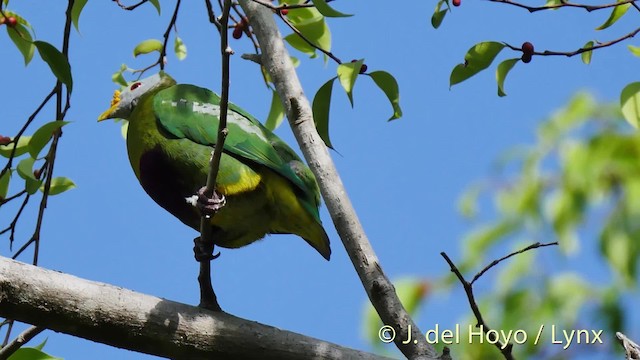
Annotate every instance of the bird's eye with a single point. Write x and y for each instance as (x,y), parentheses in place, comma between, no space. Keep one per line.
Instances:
(135,85)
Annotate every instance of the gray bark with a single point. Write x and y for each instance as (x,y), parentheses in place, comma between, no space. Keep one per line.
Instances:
(276,60)
(126,319)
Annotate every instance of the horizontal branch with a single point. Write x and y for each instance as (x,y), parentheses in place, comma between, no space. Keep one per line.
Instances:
(144,323)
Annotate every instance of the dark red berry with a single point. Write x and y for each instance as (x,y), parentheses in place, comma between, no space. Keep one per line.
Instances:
(11,21)
(456,2)
(526,58)
(237,32)
(284,11)
(363,69)
(527,48)
(37,173)
(5,140)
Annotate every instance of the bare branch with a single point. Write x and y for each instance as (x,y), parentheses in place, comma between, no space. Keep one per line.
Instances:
(132,7)
(564,4)
(496,262)
(207,295)
(581,50)
(506,350)
(126,319)
(631,349)
(20,340)
(468,289)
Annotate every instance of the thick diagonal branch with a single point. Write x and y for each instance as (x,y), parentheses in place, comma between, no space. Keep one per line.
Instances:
(276,60)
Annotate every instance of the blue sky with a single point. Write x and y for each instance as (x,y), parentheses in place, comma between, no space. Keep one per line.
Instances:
(403,177)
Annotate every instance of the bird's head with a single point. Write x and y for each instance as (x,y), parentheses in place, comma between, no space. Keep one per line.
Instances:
(125,101)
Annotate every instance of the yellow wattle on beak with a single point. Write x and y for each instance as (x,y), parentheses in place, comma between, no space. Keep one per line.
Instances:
(114,105)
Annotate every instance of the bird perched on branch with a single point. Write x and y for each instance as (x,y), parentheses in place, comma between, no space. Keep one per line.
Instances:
(265,186)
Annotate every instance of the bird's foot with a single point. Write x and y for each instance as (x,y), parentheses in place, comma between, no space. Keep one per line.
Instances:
(210,205)
(203,251)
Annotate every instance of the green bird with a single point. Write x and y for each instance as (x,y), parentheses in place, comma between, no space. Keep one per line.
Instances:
(266,187)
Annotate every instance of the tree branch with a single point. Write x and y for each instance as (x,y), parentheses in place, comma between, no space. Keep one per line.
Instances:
(126,319)
(20,340)
(381,292)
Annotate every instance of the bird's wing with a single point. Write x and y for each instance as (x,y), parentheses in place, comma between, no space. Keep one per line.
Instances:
(191,112)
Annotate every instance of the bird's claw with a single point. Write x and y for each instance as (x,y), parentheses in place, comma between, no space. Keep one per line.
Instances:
(202,251)
(210,205)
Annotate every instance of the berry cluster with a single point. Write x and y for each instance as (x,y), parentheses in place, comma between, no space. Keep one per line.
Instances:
(10,21)
(527,52)
(240,28)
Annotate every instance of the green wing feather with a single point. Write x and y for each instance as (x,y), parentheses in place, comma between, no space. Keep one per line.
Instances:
(192,112)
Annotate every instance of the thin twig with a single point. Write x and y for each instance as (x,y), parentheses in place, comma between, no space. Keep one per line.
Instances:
(295,30)
(581,50)
(12,197)
(132,7)
(14,222)
(51,155)
(9,324)
(506,350)
(563,4)
(207,295)
(284,5)
(277,9)
(212,15)
(24,128)
(163,51)
(496,262)
(20,340)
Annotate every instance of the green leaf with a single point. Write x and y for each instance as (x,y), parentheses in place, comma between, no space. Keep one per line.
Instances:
(147,46)
(297,43)
(630,103)
(156,4)
(76,10)
(388,84)
(615,15)
(302,15)
(59,185)
(57,62)
(478,58)
(42,136)
(117,76)
(180,49)
(315,30)
(347,74)
(20,19)
(4,184)
(42,344)
(21,148)
(468,201)
(327,10)
(25,168)
(321,105)
(32,186)
(635,50)
(23,41)
(586,56)
(501,74)
(276,112)
(438,15)
(28,353)
(124,128)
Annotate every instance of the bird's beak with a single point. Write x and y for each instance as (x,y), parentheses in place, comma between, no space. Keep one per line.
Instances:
(109,114)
